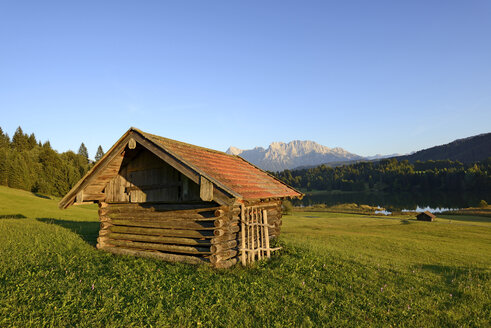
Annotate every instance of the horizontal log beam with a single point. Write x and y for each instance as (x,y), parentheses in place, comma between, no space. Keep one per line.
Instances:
(222,222)
(94,197)
(168,224)
(225,264)
(224,238)
(160,239)
(216,248)
(160,207)
(223,231)
(224,255)
(203,216)
(163,232)
(157,255)
(162,247)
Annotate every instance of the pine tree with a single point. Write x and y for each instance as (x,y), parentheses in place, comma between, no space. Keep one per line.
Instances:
(82,151)
(20,140)
(4,139)
(31,141)
(4,165)
(99,153)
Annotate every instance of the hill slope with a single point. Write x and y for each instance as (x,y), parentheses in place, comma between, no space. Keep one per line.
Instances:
(467,150)
(280,156)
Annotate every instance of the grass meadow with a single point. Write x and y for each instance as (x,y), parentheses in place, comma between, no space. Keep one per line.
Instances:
(334,270)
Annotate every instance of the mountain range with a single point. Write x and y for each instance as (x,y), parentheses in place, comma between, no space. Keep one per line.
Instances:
(280,156)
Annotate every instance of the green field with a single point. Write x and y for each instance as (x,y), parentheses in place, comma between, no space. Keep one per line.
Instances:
(334,270)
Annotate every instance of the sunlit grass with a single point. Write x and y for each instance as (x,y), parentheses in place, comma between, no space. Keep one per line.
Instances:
(334,270)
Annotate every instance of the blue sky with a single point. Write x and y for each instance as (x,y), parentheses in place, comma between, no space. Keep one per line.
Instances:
(368,76)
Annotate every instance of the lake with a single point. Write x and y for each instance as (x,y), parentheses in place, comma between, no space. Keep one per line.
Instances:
(397,201)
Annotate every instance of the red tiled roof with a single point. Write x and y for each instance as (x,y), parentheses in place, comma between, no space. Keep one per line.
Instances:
(233,172)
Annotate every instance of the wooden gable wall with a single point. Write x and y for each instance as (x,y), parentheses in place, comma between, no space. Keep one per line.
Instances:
(143,177)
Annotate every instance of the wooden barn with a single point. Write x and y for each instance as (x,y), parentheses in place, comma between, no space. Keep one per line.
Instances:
(174,201)
(426,216)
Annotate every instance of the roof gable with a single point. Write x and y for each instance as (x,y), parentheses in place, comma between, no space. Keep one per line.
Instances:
(232,176)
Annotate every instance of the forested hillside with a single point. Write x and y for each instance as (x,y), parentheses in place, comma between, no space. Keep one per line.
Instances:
(26,163)
(393,175)
(467,150)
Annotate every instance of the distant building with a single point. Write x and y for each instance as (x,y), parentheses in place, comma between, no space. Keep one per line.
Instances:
(426,216)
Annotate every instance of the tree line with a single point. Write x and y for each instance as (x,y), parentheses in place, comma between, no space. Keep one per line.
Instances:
(29,164)
(393,175)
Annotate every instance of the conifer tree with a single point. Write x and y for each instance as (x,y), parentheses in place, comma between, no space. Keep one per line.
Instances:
(4,166)
(20,140)
(4,139)
(31,141)
(99,153)
(82,151)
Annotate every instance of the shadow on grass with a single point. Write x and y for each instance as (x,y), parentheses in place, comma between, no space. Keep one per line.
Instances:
(465,218)
(88,231)
(41,196)
(450,273)
(13,216)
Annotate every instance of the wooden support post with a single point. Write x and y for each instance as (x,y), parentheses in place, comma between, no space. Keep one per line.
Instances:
(205,189)
(258,236)
(261,233)
(253,254)
(266,233)
(80,197)
(243,234)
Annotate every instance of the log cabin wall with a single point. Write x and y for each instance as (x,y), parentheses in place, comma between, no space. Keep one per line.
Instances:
(181,232)
(189,233)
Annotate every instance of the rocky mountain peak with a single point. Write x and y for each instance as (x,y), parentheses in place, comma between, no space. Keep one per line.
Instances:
(280,156)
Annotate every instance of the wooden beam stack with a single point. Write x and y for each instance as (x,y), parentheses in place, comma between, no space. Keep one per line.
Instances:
(175,235)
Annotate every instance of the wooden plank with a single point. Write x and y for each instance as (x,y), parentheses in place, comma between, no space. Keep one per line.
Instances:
(266,233)
(162,207)
(80,197)
(154,186)
(252,237)
(205,189)
(242,233)
(94,197)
